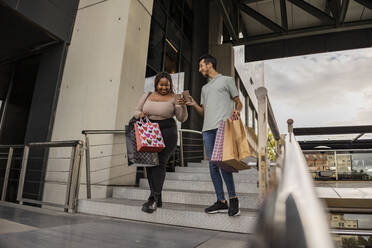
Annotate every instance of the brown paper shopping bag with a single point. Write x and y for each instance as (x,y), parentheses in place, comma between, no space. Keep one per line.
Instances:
(246,153)
(236,150)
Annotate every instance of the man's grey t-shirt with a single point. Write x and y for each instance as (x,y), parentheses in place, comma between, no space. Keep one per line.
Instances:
(217,97)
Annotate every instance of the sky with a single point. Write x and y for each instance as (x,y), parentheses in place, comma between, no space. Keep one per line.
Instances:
(329,89)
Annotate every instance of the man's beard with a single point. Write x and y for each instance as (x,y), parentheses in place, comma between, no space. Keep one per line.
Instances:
(206,74)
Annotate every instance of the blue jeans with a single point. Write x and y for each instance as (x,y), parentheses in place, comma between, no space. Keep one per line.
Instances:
(208,138)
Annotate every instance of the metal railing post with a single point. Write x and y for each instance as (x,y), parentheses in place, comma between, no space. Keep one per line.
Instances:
(290,129)
(7,172)
(261,94)
(181,149)
(87,164)
(69,179)
(75,178)
(336,165)
(23,174)
(75,185)
(204,153)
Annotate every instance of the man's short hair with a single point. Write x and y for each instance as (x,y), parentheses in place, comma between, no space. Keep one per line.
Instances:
(209,59)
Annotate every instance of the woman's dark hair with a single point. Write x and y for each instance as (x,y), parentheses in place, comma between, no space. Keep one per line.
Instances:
(161,75)
(209,59)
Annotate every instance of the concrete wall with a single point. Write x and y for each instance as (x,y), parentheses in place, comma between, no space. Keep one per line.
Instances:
(102,82)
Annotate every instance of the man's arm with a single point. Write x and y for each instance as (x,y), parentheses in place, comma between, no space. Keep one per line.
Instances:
(238,105)
(199,109)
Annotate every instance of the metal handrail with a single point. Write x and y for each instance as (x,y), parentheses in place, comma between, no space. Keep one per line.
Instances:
(339,150)
(73,181)
(103,132)
(181,131)
(190,131)
(13,146)
(293,214)
(87,154)
(351,232)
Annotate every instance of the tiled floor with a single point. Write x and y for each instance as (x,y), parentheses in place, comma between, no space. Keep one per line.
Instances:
(22,226)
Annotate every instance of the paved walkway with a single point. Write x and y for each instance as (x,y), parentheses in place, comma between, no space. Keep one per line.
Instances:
(23,226)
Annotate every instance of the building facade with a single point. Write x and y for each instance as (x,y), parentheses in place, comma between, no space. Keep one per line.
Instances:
(85,69)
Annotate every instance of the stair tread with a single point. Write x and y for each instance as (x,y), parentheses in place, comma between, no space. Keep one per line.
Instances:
(195,181)
(180,191)
(166,205)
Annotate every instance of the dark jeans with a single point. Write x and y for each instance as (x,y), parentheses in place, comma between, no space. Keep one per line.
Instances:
(208,138)
(156,174)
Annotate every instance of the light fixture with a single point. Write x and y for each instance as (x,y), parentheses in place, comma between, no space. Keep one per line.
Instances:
(322,147)
(172,46)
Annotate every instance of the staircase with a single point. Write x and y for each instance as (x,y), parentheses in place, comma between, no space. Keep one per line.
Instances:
(186,193)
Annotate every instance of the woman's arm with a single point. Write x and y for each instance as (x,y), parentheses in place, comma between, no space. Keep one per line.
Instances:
(139,108)
(180,110)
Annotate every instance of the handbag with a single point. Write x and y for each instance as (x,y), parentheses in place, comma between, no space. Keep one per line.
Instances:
(135,158)
(148,136)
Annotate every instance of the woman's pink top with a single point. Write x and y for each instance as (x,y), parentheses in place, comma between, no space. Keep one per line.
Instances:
(161,110)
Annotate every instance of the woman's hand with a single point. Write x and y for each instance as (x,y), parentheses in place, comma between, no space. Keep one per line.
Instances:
(143,114)
(181,101)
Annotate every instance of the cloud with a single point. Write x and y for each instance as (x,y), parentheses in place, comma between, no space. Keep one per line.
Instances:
(322,89)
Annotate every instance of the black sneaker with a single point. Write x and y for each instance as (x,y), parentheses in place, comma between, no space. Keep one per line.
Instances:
(149,206)
(218,207)
(234,207)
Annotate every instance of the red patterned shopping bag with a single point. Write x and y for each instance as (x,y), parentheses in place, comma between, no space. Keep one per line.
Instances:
(218,149)
(148,136)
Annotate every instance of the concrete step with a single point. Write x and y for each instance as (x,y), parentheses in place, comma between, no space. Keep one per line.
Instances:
(198,164)
(170,214)
(205,169)
(240,187)
(248,178)
(249,201)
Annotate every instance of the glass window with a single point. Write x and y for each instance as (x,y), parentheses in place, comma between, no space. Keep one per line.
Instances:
(159,15)
(150,71)
(186,68)
(175,12)
(171,58)
(186,49)
(163,3)
(174,34)
(156,47)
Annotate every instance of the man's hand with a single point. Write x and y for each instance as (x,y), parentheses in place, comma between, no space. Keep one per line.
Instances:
(236,114)
(199,109)
(191,102)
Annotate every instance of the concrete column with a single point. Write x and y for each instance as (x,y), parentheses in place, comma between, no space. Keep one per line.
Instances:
(224,53)
(102,82)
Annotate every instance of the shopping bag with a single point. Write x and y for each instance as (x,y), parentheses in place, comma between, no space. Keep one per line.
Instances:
(135,158)
(245,151)
(218,149)
(233,139)
(148,136)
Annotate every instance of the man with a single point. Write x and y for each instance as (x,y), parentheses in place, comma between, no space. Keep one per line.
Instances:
(218,98)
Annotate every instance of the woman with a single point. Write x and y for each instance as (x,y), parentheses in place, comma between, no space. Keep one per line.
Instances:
(161,106)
